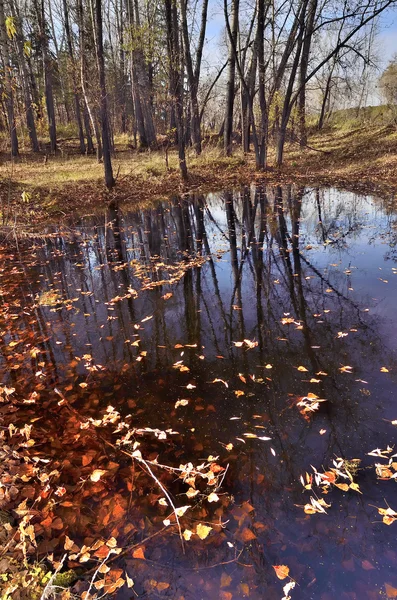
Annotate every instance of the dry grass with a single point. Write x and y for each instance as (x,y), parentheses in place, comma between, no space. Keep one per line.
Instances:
(363,158)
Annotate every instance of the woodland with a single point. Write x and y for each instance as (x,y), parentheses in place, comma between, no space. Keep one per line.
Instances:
(198,281)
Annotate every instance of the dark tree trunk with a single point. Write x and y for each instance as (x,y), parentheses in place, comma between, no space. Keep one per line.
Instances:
(327,90)
(227,136)
(47,65)
(262,133)
(175,75)
(74,77)
(287,106)
(303,71)
(194,74)
(106,145)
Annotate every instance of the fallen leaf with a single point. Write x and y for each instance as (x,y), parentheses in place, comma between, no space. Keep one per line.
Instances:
(139,553)
(282,571)
(203,531)
(97,474)
(391,592)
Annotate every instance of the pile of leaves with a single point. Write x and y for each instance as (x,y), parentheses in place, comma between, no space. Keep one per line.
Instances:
(81,493)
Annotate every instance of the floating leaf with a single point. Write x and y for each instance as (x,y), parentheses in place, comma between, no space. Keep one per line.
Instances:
(282,571)
(203,531)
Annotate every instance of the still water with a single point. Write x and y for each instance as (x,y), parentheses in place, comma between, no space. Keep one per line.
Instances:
(157,304)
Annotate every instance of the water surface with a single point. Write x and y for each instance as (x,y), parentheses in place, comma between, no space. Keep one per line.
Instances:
(308,278)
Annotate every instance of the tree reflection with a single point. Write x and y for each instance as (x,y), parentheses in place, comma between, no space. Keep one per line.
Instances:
(256,265)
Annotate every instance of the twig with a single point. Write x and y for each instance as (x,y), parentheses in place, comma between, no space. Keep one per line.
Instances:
(47,590)
(97,571)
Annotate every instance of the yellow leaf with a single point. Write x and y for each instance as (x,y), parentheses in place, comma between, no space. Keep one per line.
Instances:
(203,531)
(342,486)
(181,510)
(282,571)
(302,369)
(187,534)
(384,370)
(355,487)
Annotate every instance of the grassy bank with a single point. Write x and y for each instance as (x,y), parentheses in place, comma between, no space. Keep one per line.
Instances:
(351,153)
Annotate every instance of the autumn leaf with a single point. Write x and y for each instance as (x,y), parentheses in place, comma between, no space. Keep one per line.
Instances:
(282,571)
(342,486)
(191,493)
(139,553)
(203,531)
(213,497)
(181,510)
(225,580)
(97,474)
(391,592)
(68,545)
(246,535)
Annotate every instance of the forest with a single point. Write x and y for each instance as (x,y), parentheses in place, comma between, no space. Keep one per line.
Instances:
(198,282)
(84,74)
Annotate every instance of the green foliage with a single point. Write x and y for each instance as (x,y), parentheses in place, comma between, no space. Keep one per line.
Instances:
(64,580)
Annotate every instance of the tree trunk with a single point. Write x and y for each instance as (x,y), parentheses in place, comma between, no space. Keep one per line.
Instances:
(262,133)
(327,90)
(193,75)
(8,83)
(287,106)
(27,92)
(47,64)
(303,71)
(227,136)
(175,76)
(83,68)
(106,146)
(74,77)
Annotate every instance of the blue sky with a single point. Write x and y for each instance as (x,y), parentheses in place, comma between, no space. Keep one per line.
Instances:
(388,36)
(387,39)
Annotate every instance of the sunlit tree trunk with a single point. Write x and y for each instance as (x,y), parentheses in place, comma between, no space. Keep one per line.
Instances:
(27,92)
(8,83)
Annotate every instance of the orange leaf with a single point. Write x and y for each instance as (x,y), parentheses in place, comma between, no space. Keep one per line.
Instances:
(391,592)
(246,535)
(282,571)
(138,553)
(118,512)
